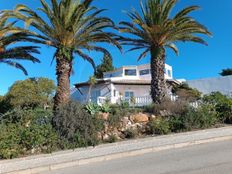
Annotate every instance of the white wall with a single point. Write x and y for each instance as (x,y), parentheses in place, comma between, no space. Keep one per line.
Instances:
(139,90)
(83,98)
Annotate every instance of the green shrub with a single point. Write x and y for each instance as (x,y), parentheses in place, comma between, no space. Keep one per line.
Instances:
(111,139)
(176,123)
(222,104)
(170,107)
(159,126)
(198,118)
(186,93)
(92,108)
(75,125)
(26,131)
(130,133)
(116,114)
(105,108)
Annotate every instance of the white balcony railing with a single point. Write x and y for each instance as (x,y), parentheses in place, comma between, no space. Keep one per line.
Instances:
(133,101)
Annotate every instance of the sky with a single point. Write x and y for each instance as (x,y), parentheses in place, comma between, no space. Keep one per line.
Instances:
(194,62)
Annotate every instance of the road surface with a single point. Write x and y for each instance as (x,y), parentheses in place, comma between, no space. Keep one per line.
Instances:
(213,158)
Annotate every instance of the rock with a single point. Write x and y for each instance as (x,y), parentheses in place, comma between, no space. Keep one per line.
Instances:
(106,127)
(105,137)
(99,135)
(139,118)
(125,123)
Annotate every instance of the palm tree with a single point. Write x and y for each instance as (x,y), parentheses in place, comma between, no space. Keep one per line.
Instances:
(72,28)
(9,34)
(155,30)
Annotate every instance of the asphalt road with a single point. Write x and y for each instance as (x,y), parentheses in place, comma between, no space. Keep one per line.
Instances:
(213,158)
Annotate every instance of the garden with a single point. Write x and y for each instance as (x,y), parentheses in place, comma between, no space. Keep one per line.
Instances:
(28,127)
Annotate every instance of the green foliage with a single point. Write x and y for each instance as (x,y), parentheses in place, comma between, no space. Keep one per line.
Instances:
(159,126)
(111,139)
(156,28)
(203,117)
(75,125)
(72,28)
(105,108)
(124,104)
(11,54)
(105,66)
(185,93)
(92,108)
(25,132)
(222,104)
(4,105)
(176,123)
(38,93)
(116,114)
(167,107)
(226,72)
(130,133)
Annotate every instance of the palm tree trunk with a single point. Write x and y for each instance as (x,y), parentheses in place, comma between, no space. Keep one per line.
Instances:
(63,72)
(158,82)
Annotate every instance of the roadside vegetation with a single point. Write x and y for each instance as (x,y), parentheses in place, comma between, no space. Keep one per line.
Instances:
(32,128)
(38,117)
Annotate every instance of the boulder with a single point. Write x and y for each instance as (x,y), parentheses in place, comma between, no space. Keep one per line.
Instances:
(105,137)
(139,118)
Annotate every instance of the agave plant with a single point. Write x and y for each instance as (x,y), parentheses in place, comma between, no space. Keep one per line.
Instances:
(72,27)
(154,30)
(9,54)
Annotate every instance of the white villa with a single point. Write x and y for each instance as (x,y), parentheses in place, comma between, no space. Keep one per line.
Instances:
(121,84)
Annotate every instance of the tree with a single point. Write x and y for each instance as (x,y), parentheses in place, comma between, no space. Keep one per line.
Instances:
(92,82)
(105,66)
(186,93)
(10,54)
(226,72)
(38,93)
(72,28)
(155,30)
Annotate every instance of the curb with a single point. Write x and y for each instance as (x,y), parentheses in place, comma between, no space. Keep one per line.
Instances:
(71,158)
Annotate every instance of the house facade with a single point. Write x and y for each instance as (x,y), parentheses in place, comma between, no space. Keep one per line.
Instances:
(122,84)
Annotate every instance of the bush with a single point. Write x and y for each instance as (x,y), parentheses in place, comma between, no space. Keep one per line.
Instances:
(38,93)
(26,132)
(167,107)
(75,125)
(117,112)
(176,123)
(159,126)
(92,108)
(222,104)
(203,117)
(186,93)
(111,139)
(130,133)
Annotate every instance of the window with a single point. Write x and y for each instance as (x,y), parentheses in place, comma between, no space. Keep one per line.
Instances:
(95,94)
(115,93)
(130,72)
(169,73)
(144,72)
(129,94)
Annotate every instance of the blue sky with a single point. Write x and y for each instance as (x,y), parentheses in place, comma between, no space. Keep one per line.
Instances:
(195,61)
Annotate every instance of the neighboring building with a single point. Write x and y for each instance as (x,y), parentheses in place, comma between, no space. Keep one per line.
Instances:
(121,84)
(209,85)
